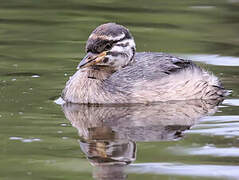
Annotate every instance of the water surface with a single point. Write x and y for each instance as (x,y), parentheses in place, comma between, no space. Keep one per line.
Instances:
(41,43)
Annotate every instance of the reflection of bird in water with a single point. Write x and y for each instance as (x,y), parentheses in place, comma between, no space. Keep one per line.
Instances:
(108,133)
(138,123)
(112,72)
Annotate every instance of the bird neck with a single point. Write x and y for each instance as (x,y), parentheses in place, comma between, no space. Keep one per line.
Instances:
(99,73)
(91,85)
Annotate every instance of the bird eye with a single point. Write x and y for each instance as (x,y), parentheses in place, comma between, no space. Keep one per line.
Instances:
(108,47)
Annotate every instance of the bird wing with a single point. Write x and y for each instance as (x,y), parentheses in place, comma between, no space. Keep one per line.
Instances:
(151,66)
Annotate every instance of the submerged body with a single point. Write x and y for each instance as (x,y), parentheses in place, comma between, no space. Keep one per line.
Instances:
(150,77)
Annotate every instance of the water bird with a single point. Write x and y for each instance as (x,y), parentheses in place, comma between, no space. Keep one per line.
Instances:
(113,72)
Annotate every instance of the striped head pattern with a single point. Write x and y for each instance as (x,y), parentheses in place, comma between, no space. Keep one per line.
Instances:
(109,45)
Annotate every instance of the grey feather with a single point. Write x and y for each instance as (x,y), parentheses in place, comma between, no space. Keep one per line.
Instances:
(128,77)
(150,77)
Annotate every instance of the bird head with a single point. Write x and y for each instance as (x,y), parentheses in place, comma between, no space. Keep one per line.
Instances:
(109,45)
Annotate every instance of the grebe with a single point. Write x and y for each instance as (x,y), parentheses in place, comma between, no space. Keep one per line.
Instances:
(113,72)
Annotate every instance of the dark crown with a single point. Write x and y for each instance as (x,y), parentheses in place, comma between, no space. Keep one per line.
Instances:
(105,35)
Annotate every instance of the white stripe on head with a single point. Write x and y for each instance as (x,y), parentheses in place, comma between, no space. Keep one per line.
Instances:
(118,48)
(109,38)
(127,44)
(117,61)
(117,38)
(124,52)
(129,41)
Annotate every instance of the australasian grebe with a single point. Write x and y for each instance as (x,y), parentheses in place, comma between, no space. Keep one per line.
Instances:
(112,72)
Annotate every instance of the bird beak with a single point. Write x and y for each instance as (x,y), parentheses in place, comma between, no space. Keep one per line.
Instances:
(91,59)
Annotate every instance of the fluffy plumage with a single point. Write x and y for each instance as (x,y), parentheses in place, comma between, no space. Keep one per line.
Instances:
(124,76)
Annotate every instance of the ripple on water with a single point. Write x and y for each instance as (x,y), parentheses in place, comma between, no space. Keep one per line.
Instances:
(213,151)
(231,102)
(35,76)
(217,171)
(25,140)
(213,59)
(19,74)
(207,150)
(227,126)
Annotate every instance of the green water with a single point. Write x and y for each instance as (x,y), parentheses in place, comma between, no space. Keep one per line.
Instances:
(41,43)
